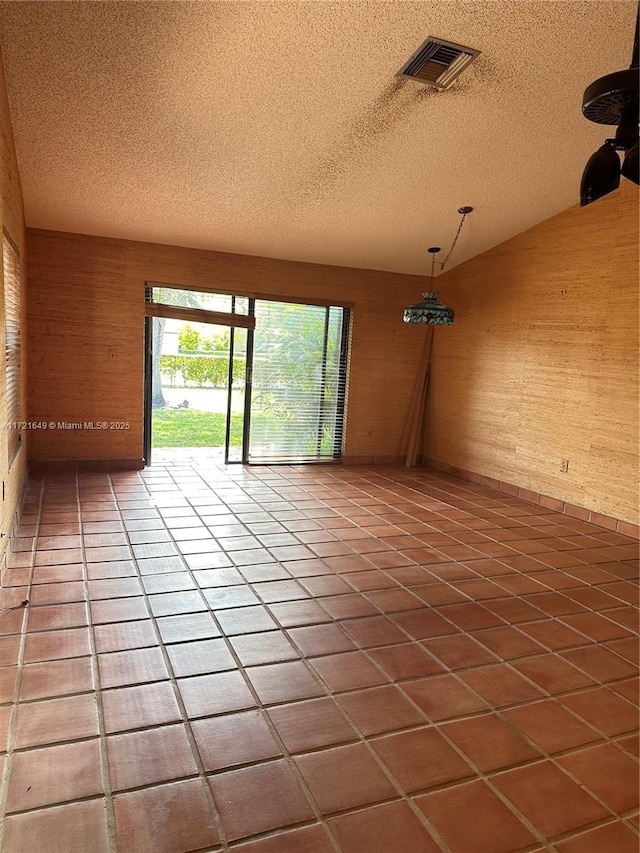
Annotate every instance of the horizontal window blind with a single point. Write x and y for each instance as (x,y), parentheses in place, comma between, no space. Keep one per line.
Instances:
(11,267)
(298,382)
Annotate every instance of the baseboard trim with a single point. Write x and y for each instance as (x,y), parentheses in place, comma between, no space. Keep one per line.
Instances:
(77,465)
(617,525)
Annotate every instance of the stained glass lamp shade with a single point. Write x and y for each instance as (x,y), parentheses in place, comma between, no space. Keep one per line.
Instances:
(430,311)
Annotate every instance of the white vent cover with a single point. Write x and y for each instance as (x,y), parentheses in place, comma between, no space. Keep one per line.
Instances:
(438,63)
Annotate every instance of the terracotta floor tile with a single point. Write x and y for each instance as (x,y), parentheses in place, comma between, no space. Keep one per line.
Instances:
(137,707)
(198,658)
(344,777)
(316,640)
(312,724)
(382,829)
(111,569)
(319,547)
(600,663)
(627,648)
(500,685)
(245,620)
(604,839)
(553,674)
(348,606)
(381,709)
(548,798)
(173,817)
(294,613)
(245,811)
(11,622)
(52,645)
(209,578)
(490,742)
(57,593)
(174,603)
(596,626)
(326,585)
(5,720)
(405,661)
(470,617)
(420,624)
(395,600)
(551,726)
(604,710)
(54,774)
(77,826)
(114,588)
(168,582)
(254,555)
(606,772)
(149,757)
(204,695)
(554,603)
(507,642)
(421,759)
(222,597)
(471,818)
(629,689)
(9,650)
(436,594)
(119,669)
(55,616)
(284,682)
(234,739)
(164,564)
(50,558)
(347,671)
(187,626)
(55,720)
(554,635)
(310,839)
(459,651)
(56,678)
(109,552)
(267,647)
(630,744)
(118,610)
(442,697)
(626,616)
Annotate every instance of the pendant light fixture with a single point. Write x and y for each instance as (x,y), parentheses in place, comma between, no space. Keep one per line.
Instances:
(613,100)
(429,310)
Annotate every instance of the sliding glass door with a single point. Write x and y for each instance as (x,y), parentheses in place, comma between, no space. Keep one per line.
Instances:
(267,386)
(298,382)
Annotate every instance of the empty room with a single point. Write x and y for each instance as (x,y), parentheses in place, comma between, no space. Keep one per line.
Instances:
(319,407)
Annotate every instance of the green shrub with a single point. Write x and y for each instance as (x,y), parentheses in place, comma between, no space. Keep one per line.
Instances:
(198,370)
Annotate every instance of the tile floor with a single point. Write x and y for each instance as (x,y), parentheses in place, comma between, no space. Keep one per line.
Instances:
(306,660)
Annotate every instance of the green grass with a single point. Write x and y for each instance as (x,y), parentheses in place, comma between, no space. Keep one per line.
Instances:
(192,428)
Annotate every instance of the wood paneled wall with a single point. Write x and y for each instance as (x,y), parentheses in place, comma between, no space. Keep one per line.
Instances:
(13,223)
(540,370)
(86,309)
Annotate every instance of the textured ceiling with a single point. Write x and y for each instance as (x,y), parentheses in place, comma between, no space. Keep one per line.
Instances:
(279,128)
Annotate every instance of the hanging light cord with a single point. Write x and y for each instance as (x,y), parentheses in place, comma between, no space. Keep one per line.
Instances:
(464,211)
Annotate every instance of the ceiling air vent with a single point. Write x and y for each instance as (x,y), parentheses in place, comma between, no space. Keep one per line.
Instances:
(438,63)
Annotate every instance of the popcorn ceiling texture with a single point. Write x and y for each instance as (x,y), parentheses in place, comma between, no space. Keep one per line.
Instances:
(279,129)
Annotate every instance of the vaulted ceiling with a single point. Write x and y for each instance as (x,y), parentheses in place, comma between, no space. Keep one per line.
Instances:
(280,129)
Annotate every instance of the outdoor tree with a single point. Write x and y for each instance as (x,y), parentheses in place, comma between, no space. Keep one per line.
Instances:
(169,296)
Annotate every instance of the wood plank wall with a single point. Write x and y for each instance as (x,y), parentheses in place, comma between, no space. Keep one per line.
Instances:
(540,368)
(12,477)
(86,308)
